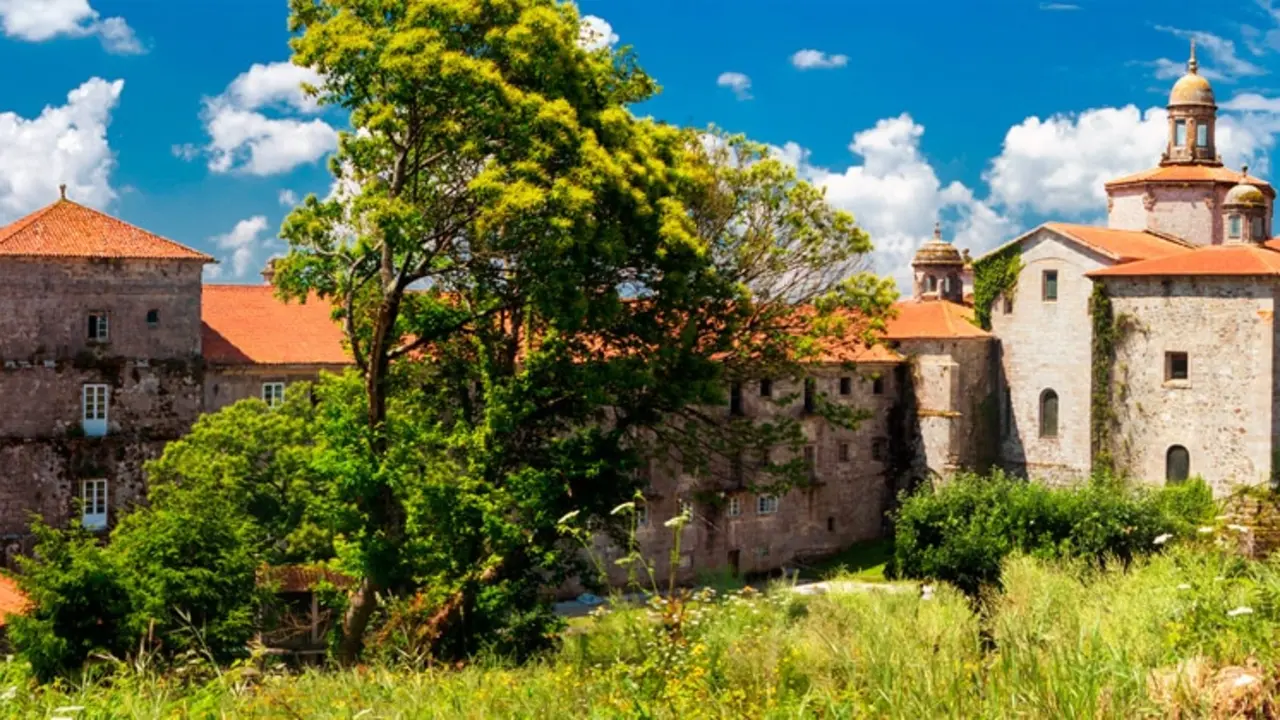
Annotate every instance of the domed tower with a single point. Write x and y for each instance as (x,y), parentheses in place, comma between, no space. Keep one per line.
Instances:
(1192,112)
(938,270)
(1246,212)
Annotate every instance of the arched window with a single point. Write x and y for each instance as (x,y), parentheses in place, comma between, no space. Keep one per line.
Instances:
(1048,414)
(1177,465)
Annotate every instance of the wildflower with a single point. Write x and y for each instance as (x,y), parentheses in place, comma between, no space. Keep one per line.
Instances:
(1238,528)
(926,592)
(1162,539)
(1204,530)
(1242,610)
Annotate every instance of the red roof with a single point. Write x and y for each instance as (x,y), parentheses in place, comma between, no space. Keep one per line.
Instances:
(1192,174)
(68,229)
(249,325)
(12,600)
(1246,260)
(1120,245)
(932,319)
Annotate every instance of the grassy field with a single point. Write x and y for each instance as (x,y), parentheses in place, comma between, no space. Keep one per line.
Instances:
(1191,633)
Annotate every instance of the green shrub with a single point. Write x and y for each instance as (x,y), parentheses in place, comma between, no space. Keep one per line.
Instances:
(81,604)
(962,531)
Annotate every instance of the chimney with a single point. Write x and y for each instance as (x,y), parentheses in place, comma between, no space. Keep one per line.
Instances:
(62,190)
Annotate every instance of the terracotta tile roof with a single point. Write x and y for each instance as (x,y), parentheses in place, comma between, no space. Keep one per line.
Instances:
(932,319)
(12,600)
(247,325)
(1192,173)
(1121,245)
(68,229)
(1213,260)
(301,578)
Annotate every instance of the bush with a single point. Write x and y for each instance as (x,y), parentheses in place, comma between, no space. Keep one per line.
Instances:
(82,604)
(961,532)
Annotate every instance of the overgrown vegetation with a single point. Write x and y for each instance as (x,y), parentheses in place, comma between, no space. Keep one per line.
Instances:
(995,275)
(1194,632)
(962,532)
(1106,333)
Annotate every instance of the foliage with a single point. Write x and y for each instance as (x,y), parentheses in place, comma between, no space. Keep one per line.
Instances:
(583,278)
(1168,637)
(963,531)
(81,604)
(1101,412)
(995,274)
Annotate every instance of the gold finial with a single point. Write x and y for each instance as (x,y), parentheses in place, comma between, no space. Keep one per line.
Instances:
(62,190)
(1192,65)
(937,231)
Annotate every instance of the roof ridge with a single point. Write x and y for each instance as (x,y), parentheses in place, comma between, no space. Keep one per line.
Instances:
(135,228)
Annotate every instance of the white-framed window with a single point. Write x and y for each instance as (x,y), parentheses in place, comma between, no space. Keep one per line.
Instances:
(93,405)
(273,393)
(98,327)
(766,504)
(735,507)
(93,511)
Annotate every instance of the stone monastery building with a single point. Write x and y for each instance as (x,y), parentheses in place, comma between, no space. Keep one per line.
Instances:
(1148,345)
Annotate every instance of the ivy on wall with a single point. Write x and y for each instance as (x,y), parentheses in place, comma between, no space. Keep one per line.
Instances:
(1108,331)
(994,275)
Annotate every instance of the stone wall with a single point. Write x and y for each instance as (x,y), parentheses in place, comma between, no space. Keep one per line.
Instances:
(1192,212)
(1047,346)
(47,306)
(957,402)
(225,385)
(1223,412)
(845,505)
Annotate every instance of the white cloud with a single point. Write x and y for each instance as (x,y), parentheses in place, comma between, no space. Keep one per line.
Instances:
(243,245)
(65,144)
(288,198)
(243,138)
(596,33)
(1059,164)
(40,20)
(1223,62)
(896,196)
(736,81)
(816,59)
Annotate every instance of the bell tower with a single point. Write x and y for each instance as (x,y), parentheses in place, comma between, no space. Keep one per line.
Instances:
(1192,117)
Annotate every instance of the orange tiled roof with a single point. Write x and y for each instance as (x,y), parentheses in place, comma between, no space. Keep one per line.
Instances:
(68,229)
(932,319)
(1122,245)
(12,600)
(1192,173)
(1214,260)
(301,578)
(248,325)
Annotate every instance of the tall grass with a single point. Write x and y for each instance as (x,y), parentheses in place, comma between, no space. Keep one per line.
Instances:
(1189,633)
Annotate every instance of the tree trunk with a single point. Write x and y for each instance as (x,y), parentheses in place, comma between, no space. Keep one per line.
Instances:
(360,608)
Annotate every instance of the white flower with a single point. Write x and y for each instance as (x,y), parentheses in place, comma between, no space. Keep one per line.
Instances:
(1242,610)
(1244,680)
(1162,539)
(1204,530)
(1238,528)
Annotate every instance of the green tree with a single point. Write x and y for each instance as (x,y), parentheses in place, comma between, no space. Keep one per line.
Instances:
(533,282)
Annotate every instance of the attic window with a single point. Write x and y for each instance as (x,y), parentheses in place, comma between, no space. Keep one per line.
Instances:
(153,318)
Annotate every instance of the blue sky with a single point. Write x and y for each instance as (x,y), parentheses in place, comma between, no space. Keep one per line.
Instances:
(991,115)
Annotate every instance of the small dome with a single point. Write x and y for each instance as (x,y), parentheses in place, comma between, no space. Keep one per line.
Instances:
(1192,89)
(1245,194)
(938,252)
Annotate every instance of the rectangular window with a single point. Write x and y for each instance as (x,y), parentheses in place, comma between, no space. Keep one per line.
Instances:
(1050,286)
(877,385)
(846,386)
(1180,133)
(1202,135)
(766,388)
(844,452)
(273,393)
(1233,226)
(1175,366)
(1006,304)
(93,498)
(810,392)
(735,399)
(98,327)
(93,403)
(153,318)
(879,449)
(1257,230)
(735,507)
(766,504)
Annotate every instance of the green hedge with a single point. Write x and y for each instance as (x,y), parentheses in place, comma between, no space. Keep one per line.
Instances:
(961,532)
